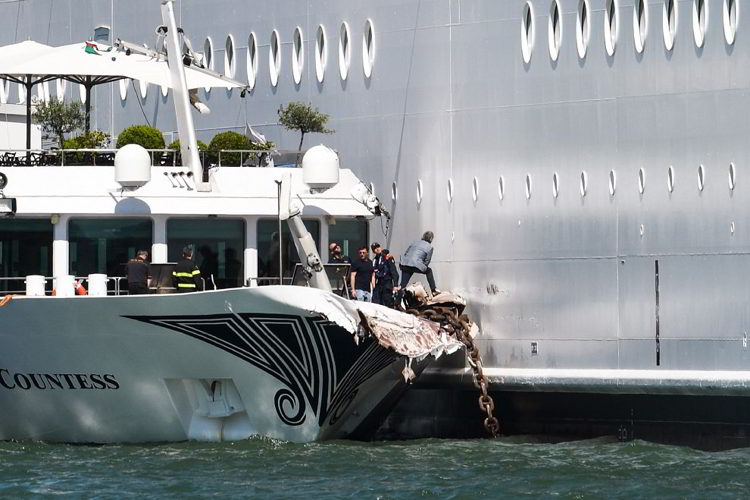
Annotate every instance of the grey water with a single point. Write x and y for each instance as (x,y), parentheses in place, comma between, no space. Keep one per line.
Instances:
(263,468)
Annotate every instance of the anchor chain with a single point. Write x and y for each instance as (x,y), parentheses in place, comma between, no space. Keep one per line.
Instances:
(460,327)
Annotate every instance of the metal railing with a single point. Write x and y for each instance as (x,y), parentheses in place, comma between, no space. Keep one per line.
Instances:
(48,285)
(159,157)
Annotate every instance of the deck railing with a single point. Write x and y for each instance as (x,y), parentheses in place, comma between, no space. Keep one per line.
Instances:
(159,157)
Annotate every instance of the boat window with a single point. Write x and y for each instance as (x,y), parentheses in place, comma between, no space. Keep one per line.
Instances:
(25,248)
(669,23)
(351,235)
(730,20)
(252,59)
(368,48)
(554,30)
(700,21)
(219,248)
(640,24)
(527,32)
(610,26)
(268,249)
(321,53)
(345,51)
(105,245)
(298,55)
(583,28)
(274,58)
(229,59)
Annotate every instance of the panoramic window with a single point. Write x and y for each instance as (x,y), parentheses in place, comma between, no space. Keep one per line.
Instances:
(105,245)
(554,30)
(345,51)
(350,234)
(583,28)
(268,249)
(368,48)
(527,31)
(669,23)
(298,55)
(610,26)
(274,58)
(730,15)
(640,24)
(25,248)
(229,59)
(321,53)
(218,248)
(700,21)
(252,59)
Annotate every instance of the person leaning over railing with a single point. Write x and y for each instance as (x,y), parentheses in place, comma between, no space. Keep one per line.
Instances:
(186,275)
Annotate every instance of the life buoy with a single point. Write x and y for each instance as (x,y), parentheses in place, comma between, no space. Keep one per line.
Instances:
(80,289)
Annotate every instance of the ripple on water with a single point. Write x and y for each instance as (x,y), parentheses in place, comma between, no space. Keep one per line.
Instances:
(264,468)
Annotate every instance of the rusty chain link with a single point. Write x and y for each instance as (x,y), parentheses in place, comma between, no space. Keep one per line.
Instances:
(460,327)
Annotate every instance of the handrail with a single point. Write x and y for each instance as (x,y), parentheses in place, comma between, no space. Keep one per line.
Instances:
(105,157)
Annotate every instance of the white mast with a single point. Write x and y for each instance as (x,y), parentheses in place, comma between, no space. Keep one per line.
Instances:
(185,127)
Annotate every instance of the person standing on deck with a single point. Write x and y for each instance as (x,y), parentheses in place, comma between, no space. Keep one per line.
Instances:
(378,263)
(335,256)
(362,277)
(387,277)
(186,275)
(417,259)
(137,273)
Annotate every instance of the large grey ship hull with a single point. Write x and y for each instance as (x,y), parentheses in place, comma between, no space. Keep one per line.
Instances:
(593,210)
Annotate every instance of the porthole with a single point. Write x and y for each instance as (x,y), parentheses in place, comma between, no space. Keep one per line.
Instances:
(274,58)
(394,191)
(449,190)
(701,177)
(368,48)
(555,185)
(641,180)
(345,51)
(298,55)
(22,93)
(732,176)
(611,22)
(252,59)
(142,90)
(475,189)
(700,21)
(528,186)
(372,188)
(208,53)
(669,23)
(527,32)
(208,56)
(554,30)
(60,87)
(321,53)
(583,28)
(640,24)
(501,188)
(164,90)
(612,182)
(670,179)
(584,185)
(730,20)
(419,192)
(229,59)
(4,90)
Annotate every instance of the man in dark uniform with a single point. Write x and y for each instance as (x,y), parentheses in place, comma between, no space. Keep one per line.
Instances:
(386,278)
(137,272)
(362,277)
(186,275)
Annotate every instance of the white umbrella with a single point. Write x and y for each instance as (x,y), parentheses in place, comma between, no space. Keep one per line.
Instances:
(90,63)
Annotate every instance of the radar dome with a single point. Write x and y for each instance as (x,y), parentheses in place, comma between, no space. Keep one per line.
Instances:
(320,167)
(132,166)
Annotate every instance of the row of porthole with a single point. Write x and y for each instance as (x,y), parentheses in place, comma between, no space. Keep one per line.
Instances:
(611,23)
(298,54)
(274,56)
(583,186)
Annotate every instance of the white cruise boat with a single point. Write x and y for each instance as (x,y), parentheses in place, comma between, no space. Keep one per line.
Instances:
(583,164)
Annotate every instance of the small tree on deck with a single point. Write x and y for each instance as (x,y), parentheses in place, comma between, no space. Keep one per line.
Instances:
(58,118)
(302,117)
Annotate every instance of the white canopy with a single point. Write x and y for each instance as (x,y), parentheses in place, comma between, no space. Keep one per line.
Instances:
(96,63)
